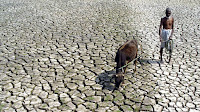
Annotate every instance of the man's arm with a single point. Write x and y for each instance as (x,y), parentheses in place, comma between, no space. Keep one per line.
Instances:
(172,29)
(160,29)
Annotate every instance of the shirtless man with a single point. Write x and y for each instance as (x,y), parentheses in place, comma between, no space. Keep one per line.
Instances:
(166,30)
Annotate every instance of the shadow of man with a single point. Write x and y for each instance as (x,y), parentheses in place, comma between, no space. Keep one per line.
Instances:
(149,61)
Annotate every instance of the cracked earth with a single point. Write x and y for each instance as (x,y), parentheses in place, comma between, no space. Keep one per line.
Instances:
(58,55)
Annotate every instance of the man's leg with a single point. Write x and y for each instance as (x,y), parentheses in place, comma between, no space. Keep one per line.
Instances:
(161,52)
(170,50)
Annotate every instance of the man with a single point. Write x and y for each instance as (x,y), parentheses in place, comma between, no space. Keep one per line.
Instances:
(166,31)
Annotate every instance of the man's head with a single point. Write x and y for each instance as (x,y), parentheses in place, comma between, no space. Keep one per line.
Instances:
(168,12)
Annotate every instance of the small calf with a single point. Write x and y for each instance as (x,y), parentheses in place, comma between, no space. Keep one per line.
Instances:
(125,54)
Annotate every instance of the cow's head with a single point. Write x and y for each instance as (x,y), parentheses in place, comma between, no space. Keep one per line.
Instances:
(119,78)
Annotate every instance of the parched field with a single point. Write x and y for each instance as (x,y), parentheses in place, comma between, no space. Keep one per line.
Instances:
(58,55)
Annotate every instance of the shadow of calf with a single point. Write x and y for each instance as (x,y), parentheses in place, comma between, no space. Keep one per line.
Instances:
(107,80)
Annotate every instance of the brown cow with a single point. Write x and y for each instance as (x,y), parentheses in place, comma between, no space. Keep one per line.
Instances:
(125,54)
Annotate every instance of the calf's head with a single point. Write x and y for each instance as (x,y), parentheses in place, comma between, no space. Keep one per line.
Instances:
(119,78)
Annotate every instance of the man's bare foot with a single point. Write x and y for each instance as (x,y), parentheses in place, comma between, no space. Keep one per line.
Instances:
(161,61)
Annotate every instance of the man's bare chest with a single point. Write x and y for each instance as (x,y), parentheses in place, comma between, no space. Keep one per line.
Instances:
(167,22)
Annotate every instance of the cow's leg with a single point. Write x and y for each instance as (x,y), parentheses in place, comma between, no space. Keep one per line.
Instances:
(123,81)
(126,66)
(123,62)
(135,62)
(125,70)
(135,65)
(123,76)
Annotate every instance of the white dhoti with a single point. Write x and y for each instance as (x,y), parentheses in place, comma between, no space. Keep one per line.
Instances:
(166,33)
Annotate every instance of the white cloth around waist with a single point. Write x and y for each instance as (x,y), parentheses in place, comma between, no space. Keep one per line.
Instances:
(166,33)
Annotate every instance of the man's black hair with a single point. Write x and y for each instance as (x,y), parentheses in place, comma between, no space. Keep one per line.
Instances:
(168,10)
